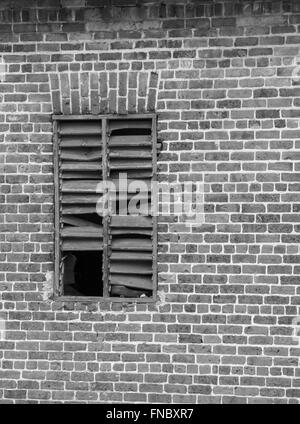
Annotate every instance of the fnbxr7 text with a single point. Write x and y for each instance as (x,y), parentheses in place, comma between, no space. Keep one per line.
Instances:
(171,413)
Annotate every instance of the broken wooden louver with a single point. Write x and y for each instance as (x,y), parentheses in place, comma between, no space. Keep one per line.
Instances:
(128,251)
(130,152)
(81,228)
(80,172)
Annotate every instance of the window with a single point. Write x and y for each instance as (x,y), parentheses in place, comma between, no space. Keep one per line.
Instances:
(105,231)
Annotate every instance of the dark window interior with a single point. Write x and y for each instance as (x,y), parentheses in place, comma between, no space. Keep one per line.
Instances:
(82,274)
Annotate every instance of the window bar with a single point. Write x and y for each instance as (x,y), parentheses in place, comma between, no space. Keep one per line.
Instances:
(57,218)
(155,208)
(106,218)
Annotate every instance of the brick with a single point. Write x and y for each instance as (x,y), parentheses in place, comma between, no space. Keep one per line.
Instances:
(201,389)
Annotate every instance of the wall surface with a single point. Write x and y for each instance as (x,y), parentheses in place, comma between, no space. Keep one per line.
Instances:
(221,76)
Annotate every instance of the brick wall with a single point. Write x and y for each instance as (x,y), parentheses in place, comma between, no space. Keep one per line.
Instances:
(220,77)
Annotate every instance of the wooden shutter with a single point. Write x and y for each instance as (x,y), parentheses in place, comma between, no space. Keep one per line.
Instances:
(80,171)
(130,151)
(90,150)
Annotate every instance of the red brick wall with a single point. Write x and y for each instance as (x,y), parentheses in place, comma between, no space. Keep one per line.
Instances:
(219,76)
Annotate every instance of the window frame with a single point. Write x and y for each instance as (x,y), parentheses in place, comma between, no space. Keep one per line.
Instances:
(57,292)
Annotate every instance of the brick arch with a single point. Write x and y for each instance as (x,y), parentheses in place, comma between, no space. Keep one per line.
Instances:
(99,92)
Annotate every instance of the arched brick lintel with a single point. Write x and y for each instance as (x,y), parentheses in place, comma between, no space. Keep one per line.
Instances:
(100,92)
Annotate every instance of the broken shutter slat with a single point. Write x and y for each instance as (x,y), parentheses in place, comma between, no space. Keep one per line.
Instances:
(131,183)
(131,244)
(82,232)
(77,199)
(124,267)
(130,231)
(79,222)
(121,291)
(79,186)
(138,256)
(78,127)
(133,281)
(129,196)
(130,154)
(133,164)
(80,166)
(133,174)
(130,141)
(131,221)
(80,141)
(143,210)
(83,154)
(81,245)
(71,175)
(125,124)
(79,210)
